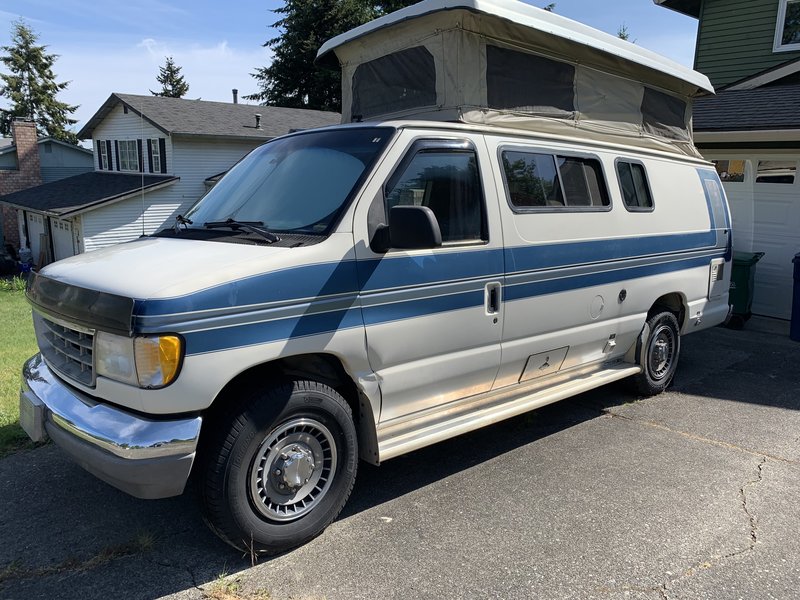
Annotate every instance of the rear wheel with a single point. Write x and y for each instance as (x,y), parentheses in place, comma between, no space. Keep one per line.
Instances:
(659,356)
(280,467)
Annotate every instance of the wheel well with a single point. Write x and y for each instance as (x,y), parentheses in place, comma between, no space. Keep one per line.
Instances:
(325,368)
(673,303)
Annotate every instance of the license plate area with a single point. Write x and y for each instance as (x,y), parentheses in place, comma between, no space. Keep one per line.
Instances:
(31,416)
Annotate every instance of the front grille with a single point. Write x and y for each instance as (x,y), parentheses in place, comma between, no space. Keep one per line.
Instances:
(67,349)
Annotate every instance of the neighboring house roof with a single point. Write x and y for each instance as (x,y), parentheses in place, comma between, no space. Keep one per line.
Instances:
(220,119)
(82,192)
(7,145)
(689,8)
(744,110)
(782,74)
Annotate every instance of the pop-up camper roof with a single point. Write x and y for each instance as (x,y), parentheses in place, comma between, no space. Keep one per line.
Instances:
(502,62)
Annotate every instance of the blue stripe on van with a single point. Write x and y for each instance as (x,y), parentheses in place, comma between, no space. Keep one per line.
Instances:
(307,281)
(321,323)
(274,330)
(394,272)
(550,256)
(325,279)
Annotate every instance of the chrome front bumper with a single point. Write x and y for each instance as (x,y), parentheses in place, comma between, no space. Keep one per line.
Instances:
(147,458)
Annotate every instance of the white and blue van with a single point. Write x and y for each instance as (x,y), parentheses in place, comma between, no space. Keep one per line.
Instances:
(512,213)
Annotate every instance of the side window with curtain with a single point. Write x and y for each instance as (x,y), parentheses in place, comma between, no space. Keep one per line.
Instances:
(633,184)
(447,182)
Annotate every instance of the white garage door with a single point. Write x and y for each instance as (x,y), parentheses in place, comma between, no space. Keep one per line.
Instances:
(776,232)
(62,238)
(35,231)
(764,195)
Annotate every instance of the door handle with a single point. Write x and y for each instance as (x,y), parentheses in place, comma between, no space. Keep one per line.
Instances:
(493,298)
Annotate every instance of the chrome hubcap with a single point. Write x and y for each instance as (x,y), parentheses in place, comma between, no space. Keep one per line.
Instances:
(293,469)
(661,352)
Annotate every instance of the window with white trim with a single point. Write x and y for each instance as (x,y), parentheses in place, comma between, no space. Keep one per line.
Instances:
(155,155)
(101,145)
(128,155)
(787,32)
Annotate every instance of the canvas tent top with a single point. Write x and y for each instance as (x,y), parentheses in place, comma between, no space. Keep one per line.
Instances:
(506,63)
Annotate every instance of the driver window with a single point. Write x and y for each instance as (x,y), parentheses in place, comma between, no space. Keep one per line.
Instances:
(447,182)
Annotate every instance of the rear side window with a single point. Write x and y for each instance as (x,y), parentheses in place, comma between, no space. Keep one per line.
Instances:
(537,181)
(633,184)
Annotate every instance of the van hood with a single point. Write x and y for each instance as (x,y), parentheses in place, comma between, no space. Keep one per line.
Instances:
(163,267)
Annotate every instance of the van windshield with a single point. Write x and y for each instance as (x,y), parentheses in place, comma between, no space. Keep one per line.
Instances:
(297,184)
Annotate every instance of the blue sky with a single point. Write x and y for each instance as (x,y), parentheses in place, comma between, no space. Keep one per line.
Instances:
(107,47)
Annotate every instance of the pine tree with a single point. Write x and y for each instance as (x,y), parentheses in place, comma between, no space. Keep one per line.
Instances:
(173,85)
(31,87)
(293,80)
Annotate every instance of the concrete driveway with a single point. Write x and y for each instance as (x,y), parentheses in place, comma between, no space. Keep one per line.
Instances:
(692,494)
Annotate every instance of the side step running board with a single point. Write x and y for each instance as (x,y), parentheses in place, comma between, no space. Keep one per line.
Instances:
(461,417)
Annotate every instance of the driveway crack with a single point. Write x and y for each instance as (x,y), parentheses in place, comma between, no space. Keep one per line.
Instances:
(703,565)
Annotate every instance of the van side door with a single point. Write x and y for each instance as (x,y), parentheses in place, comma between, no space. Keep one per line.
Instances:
(561,305)
(433,316)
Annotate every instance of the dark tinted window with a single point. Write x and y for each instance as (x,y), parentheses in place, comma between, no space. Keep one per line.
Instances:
(447,182)
(633,183)
(537,180)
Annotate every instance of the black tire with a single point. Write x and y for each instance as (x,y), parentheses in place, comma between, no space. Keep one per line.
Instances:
(659,355)
(298,436)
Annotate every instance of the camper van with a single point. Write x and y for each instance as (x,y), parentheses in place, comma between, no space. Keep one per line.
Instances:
(511,213)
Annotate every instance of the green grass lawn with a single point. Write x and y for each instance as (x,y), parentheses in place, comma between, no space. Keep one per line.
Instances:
(17,344)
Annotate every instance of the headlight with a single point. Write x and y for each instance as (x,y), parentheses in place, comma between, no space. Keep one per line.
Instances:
(145,361)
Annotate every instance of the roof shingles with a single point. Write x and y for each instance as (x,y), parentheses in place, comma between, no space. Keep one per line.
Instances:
(775,107)
(223,119)
(77,193)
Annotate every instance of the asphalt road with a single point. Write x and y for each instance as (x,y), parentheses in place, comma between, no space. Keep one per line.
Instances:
(692,494)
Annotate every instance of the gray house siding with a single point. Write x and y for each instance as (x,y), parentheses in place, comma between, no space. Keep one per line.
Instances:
(58,161)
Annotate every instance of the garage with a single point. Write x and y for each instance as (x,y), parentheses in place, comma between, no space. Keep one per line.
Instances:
(764,195)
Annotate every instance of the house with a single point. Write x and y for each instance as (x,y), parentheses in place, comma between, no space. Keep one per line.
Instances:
(26,161)
(152,157)
(750,49)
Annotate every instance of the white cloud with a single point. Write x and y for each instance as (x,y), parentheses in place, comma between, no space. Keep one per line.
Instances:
(210,70)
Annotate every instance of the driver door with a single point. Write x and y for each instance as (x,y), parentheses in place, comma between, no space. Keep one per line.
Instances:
(433,317)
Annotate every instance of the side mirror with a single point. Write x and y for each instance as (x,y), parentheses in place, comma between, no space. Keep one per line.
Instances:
(413,228)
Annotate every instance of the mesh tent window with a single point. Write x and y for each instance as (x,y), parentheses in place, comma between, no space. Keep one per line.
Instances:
(393,83)
(527,82)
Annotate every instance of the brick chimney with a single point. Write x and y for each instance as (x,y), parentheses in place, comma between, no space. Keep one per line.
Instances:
(27,174)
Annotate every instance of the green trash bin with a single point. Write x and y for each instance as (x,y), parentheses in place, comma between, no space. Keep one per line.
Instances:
(742,286)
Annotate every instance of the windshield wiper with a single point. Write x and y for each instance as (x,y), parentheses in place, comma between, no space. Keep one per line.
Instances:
(256,227)
(181,220)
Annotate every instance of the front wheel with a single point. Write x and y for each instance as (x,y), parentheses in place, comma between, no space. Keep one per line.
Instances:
(280,468)
(659,356)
